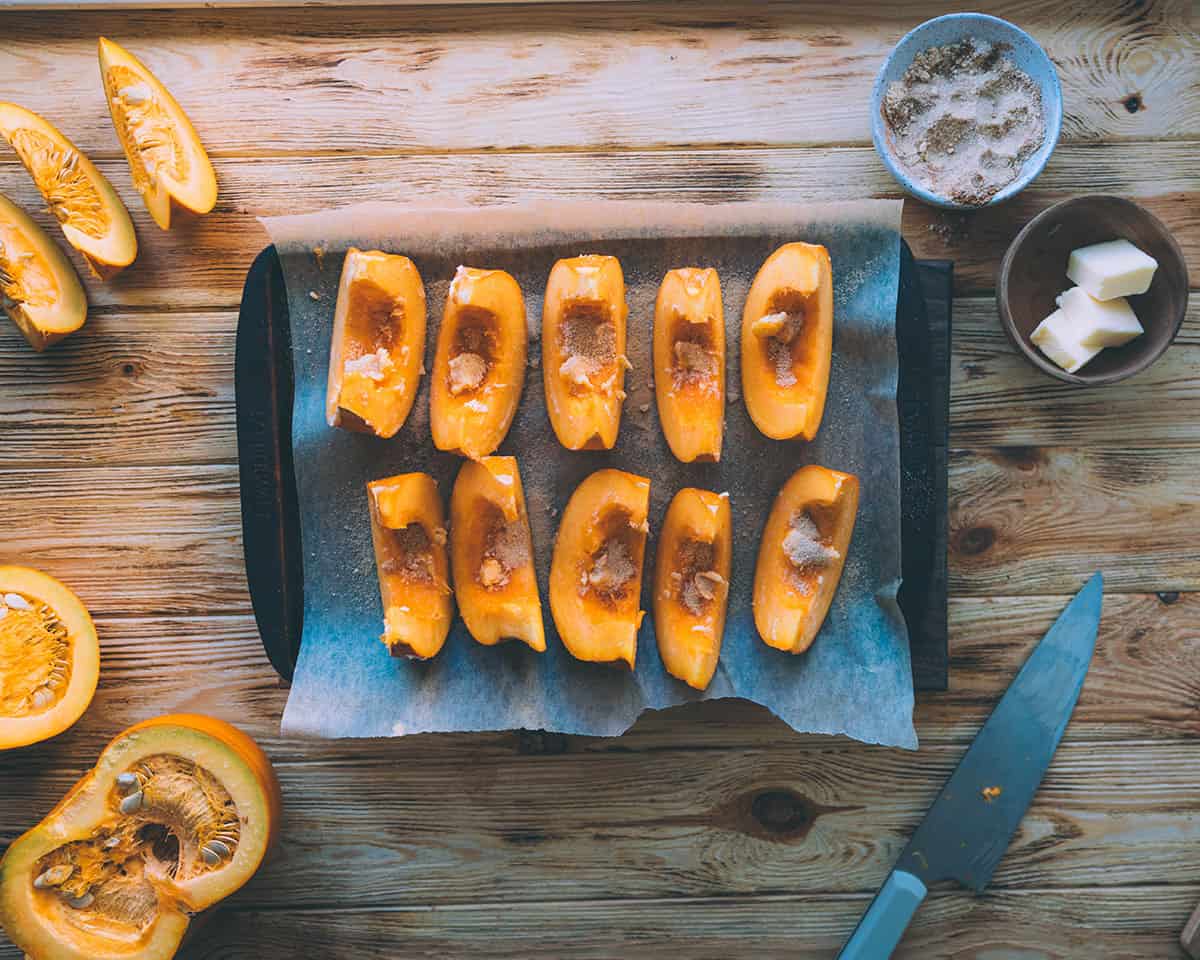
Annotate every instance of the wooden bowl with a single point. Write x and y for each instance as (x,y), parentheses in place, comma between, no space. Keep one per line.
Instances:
(1034,272)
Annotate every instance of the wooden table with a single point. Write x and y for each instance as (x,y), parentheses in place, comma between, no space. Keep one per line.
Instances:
(704,832)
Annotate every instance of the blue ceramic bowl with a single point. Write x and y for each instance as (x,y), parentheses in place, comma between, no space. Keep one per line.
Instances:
(1023,51)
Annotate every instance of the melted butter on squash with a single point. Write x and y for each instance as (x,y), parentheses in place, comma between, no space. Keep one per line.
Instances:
(506,548)
(807,550)
(589,345)
(72,197)
(145,129)
(35,656)
(612,567)
(169,820)
(472,355)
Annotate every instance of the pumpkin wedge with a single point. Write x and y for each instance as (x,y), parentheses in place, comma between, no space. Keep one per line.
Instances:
(801,556)
(479,367)
(596,571)
(169,166)
(691,584)
(39,289)
(378,343)
(176,815)
(491,554)
(689,363)
(583,350)
(91,215)
(49,657)
(408,528)
(787,342)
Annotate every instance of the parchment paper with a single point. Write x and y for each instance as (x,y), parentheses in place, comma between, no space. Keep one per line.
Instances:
(855,680)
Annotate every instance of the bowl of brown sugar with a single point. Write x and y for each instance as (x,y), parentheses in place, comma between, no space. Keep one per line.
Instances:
(966,110)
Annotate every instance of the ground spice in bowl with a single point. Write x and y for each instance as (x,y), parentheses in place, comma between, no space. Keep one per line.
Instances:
(963,119)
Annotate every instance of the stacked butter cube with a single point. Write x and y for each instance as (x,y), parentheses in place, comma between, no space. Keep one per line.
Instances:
(1094,314)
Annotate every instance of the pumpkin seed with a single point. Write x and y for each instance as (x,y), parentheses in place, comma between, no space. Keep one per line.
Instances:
(53,876)
(132,803)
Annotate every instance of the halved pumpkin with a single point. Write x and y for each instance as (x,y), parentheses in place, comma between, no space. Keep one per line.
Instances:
(176,815)
(583,350)
(408,528)
(689,363)
(49,657)
(39,288)
(479,368)
(92,216)
(787,341)
(378,343)
(801,556)
(691,584)
(168,164)
(596,572)
(491,554)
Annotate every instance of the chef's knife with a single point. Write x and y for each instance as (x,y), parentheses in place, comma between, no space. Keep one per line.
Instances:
(968,828)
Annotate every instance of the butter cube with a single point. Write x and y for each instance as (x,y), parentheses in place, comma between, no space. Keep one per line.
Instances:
(1057,339)
(1099,323)
(1113,269)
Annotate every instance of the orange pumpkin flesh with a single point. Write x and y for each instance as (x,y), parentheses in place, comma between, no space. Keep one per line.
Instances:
(583,351)
(787,342)
(596,572)
(92,216)
(408,528)
(801,555)
(491,554)
(49,657)
(691,584)
(378,343)
(689,363)
(479,369)
(169,166)
(177,814)
(39,288)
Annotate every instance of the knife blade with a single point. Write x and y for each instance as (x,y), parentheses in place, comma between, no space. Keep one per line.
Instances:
(969,826)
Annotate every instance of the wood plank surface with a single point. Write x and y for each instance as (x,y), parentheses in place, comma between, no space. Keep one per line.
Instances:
(203,263)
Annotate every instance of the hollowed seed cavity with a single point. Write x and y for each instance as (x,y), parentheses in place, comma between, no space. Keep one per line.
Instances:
(588,340)
(506,548)
(374,330)
(696,582)
(35,656)
(169,818)
(72,197)
(410,553)
(807,549)
(473,352)
(146,128)
(693,359)
(24,279)
(610,571)
(781,330)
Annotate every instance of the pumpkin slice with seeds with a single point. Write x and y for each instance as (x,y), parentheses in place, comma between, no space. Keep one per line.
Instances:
(92,216)
(39,289)
(168,164)
(49,657)
(177,814)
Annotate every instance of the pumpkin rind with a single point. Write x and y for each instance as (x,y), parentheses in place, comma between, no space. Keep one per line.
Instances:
(479,367)
(596,571)
(689,363)
(791,600)
(39,288)
(583,351)
(378,344)
(691,584)
(134,906)
(91,215)
(491,554)
(166,159)
(408,529)
(22,674)
(785,373)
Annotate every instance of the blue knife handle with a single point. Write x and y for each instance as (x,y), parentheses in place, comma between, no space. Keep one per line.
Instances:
(886,919)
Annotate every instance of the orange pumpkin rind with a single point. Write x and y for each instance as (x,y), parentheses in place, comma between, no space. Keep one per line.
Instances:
(479,368)
(787,342)
(378,345)
(491,554)
(801,556)
(596,571)
(691,584)
(408,529)
(583,350)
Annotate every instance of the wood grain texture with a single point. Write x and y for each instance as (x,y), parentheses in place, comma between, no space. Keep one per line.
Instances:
(609,75)
(202,263)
